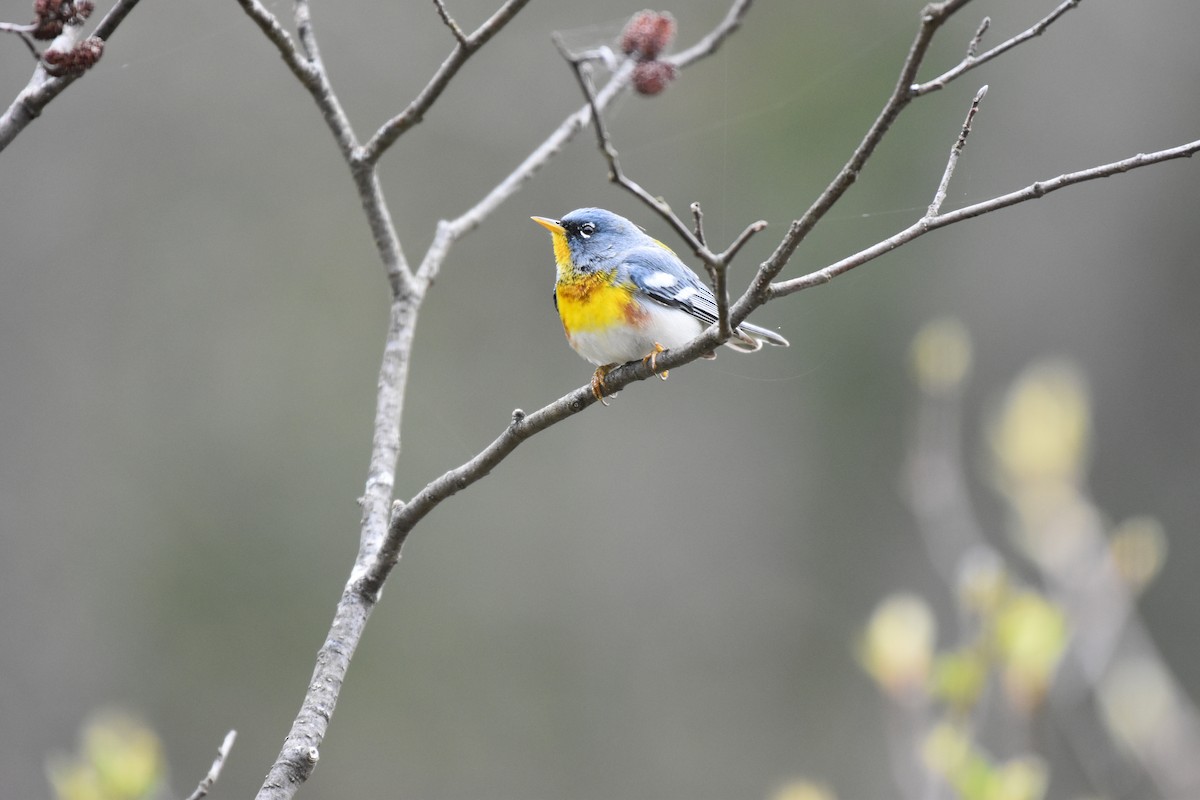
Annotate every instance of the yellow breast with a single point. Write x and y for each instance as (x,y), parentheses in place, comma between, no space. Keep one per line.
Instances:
(590,302)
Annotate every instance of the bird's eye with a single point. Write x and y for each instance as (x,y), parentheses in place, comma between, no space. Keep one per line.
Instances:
(586,230)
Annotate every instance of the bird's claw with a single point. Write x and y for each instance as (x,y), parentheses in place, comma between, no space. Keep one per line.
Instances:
(652,360)
(598,388)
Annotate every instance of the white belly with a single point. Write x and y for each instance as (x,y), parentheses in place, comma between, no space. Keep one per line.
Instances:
(670,327)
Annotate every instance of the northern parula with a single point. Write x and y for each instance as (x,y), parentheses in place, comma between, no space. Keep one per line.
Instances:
(625,296)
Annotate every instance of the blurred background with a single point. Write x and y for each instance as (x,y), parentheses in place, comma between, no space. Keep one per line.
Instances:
(661,599)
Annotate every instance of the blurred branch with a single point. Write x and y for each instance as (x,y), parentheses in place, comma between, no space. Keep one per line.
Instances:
(44,87)
(1111,664)
(214,772)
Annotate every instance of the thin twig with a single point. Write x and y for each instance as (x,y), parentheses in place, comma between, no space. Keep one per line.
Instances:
(939,196)
(450,231)
(715,38)
(905,91)
(42,88)
(977,39)
(932,18)
(214,771)
(454,27)
(972,61)
(698,218)
(391,130)
(615,173)
(926,224)
(727,255)
(305,63)
(718,270)
(275,32)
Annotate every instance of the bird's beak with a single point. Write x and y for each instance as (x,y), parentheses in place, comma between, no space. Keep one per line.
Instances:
(551,225)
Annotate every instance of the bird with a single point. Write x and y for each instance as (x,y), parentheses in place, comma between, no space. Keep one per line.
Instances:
(624,296)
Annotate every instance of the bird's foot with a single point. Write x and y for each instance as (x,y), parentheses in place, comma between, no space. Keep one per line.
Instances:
(652,359)
(598,388)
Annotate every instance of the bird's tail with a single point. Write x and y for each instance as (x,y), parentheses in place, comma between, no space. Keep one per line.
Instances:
(748,338)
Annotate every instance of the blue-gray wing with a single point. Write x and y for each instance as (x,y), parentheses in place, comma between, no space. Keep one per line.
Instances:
(659,274)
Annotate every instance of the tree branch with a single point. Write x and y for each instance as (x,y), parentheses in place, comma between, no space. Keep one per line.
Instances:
(715,38)
(609,151)
(455,30)
(305,63)
(214,772)
(395,127)
(42,87)
(933,17)
(939,196)
(926,224)
(971,61)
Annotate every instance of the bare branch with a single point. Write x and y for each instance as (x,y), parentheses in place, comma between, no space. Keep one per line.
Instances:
(972,61)
(450,231)
(214,771)
(939,196)
(905,91)
(273,30)
(454,27)
(973,45)
(718,276)
(304,60)
(615,173)
(392,130)
(42,88)
(932,18)
(727,255)
(715,38)
(698,218)
(580,66)
(305,63)
(927,224)
(115,16)
(718,269)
